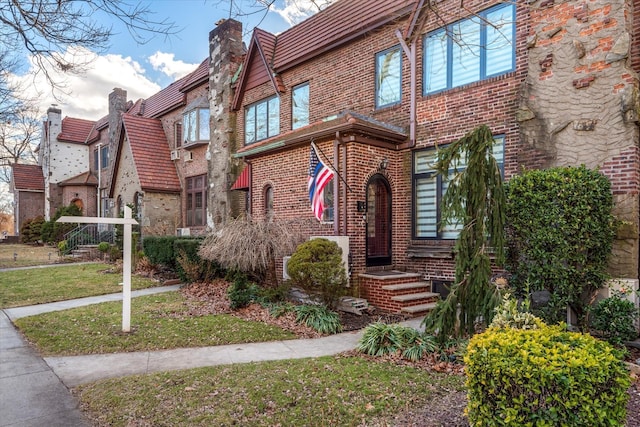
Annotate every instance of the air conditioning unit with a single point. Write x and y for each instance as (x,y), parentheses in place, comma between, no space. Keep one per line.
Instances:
(181,232)
(285,272)
(188,156)
(175,154)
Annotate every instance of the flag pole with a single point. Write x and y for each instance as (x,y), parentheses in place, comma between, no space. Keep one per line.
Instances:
(331,165)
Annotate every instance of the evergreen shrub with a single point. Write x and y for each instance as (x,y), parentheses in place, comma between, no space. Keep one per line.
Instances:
(316,266)
(159,250)
(544,377)
(560,232)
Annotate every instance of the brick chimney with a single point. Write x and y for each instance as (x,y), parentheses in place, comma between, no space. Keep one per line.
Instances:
(117,106)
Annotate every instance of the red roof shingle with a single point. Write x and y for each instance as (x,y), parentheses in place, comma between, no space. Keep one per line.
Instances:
(78,131)
(151,154)
(27,177)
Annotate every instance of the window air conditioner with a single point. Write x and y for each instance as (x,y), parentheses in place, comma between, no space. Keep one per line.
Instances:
(181,232)
(285,262)
(188,156)
(175,154)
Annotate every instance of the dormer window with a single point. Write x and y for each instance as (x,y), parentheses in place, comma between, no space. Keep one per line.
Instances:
(195,121)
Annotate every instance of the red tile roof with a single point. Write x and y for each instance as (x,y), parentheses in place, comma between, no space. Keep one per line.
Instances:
(151,154)
(173,96)
(27,177)
(197,77)
(351,125)
(78,131)
(84,179)
(338,24)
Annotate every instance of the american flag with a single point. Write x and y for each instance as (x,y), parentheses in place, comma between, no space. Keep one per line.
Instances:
(319,176)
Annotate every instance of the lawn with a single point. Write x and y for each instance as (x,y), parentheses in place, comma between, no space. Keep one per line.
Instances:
(27,255)
(158,322)
(64,282)
(326,391)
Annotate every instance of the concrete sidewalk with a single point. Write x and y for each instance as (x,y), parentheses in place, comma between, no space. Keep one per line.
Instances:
(33,390)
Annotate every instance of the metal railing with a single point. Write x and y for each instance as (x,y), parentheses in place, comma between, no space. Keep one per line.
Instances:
(90,234)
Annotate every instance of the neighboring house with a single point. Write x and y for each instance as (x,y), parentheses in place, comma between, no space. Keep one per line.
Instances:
(27,186)
(63,155)
(377,86)
(155,154)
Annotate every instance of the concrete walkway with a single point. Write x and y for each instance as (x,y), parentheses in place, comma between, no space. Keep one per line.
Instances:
(34,391)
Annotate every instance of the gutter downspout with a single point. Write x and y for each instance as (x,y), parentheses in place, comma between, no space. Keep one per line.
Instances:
(410,51)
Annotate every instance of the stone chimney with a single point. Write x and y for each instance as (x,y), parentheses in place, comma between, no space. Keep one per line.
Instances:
(117,106)
(226,53)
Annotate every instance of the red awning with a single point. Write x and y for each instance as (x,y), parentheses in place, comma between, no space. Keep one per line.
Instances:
(244,180)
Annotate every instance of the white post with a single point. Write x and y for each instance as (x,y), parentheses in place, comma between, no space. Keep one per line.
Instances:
(127,221)
(126,274)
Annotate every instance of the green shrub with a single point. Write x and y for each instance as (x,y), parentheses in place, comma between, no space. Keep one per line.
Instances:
(510,315)
(242,292)
(63,247)
(159,250)
(560,232)
(274,295)
(316,266)
(544,377)
(31,230)
(104,247)
(53,231)
(190,267)
(318,317)
(380,339)
(614,317)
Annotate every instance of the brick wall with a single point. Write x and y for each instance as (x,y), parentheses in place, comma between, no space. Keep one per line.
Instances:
(545,108)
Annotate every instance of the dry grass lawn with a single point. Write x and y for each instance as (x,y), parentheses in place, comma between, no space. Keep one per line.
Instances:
(27,255)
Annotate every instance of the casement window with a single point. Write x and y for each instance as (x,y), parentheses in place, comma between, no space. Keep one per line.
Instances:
(388,77)
(300,106)
(101,157)
(428,190)
(470,50)
(262,120)
(196,200)
(195,126)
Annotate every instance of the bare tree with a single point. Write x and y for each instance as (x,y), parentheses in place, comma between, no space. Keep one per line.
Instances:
(18,139)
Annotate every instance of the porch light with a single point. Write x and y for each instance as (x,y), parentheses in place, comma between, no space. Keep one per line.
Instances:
(384,164)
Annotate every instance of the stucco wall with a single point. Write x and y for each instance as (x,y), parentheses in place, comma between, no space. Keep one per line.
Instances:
(580,102)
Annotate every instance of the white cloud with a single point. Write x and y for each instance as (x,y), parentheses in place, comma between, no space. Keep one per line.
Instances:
(167,64)
(86,95)
(296,11)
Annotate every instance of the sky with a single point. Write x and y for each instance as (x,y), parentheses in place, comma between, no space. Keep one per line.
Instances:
(143,70)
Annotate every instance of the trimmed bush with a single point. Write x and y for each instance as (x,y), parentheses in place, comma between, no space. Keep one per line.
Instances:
(544,377)
(560,233)
(316,266)
(159,250)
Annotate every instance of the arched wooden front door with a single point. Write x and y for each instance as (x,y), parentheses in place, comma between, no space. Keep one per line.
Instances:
(378,221)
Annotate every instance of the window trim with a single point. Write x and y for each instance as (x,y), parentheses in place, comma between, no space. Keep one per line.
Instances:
(439,193)
(397,48)
(254,107)
(482,64)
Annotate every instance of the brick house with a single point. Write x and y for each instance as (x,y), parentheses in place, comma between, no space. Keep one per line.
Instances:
(27,186)
(376,86)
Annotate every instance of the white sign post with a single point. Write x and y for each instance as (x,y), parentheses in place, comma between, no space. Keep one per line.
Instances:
(127,221)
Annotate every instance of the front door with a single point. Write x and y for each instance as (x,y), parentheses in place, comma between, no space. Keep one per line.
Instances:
(378,221)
